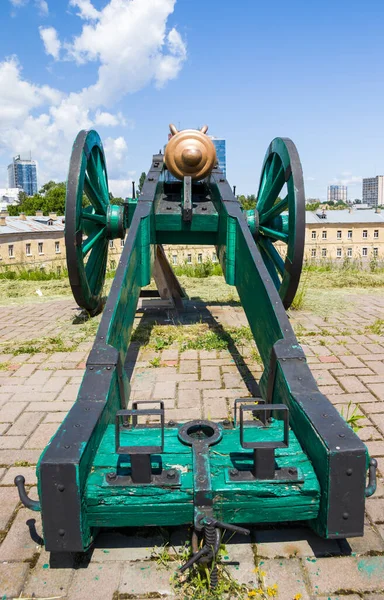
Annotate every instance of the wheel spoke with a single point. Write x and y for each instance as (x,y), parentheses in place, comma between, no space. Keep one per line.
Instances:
(102,176)
(276,210)
(94,218)
(273,254)
(93,196)
(270,266)
(275,235)
(271,190)
(91,240)
(95,267)
(96,175)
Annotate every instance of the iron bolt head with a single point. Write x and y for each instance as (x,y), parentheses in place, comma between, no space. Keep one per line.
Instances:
(61,532)
(171,474)
(112,475)
(345,516)
(226,422)
(171,423)
(60,487)
(349,472)
(291,470)
(234,472)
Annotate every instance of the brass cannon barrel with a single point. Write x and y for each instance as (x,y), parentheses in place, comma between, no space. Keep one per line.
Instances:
(190,152)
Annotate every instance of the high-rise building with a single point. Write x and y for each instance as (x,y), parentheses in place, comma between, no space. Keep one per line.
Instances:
(219,144)
(373,190)
(337,193)
(23,174)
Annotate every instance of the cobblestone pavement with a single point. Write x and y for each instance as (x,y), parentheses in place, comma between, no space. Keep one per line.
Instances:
(347,360)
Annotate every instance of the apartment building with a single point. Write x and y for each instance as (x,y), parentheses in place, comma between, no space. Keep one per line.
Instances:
(344,234)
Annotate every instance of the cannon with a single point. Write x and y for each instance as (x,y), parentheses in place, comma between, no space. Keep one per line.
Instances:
(285,455)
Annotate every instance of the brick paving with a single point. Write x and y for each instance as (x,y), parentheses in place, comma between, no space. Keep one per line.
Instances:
(346,357)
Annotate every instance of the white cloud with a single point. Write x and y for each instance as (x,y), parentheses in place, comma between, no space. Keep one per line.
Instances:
(51,41)
(87,10)
(348,179)
(106,119)
(129,41)
(41,5)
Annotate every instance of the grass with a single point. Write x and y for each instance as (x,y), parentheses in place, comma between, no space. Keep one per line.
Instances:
(198,336)
(351,416)
(195,583)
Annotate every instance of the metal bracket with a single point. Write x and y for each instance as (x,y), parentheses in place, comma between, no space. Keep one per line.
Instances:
(263,467)
(140,456)
(186,199)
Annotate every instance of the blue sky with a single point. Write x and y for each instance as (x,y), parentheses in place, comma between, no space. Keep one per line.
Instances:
(312,71)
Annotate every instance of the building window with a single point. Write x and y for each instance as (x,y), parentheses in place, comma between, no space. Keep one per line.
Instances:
(338,253)
(214,257)
(28,250)
(40,247)
(113,264)
(349,252)
(10,251)
(349,236)
(122,242)
(338,235)
(199,258)
(111,244)
(365,251)
(174,259)
(324,252)
(324,235)
(365,233)
(313,235)
(313,252)
(57,247)
(189,259)
(376,233)
(375,252)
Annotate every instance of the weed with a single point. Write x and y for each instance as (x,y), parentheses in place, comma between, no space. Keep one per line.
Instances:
(22,463)
(256,357)
(4,366)
(199,270)
(376,327)
(352,418)
(155,362)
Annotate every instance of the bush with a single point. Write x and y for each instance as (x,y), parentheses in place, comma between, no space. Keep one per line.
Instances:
(199,270)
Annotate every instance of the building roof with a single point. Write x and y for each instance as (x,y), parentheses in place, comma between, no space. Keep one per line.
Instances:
(344,216)
(31,225)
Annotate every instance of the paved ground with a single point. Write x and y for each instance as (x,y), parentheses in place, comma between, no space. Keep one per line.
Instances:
(347,359)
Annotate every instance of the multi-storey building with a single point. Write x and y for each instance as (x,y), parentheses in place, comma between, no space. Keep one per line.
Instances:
(22,173)
(8,197)
(334,235)
(337,193)
(373,190)
(344,234)
(219,144)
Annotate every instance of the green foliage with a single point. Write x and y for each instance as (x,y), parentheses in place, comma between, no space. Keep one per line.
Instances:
(51,198)
(312,205)
(155,362)
(376,327)
(116,200)
(199,270)
(143,177)
(23,274)
(351,416)
(248,202)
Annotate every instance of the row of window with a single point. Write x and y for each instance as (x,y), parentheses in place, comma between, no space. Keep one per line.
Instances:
(28,249)
(112,245)
(339,252)
(349,234)
(189,258)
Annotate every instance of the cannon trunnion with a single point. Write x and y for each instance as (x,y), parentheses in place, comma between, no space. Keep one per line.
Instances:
(286,455)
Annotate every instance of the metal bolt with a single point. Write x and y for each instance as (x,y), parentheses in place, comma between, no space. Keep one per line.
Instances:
(226,422)
(111,476)
(349,472)
(201,478)
(342,435)
(345,516)
(109,368)
(60,487)
(325,415)
(101,337)
(61,532)
(171,474)
(171,423)
(203,208)
(233,472)
(91,368)
(77,425)
(291,471)
(66,446)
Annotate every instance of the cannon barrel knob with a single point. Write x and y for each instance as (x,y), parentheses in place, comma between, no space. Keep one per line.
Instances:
(190,152)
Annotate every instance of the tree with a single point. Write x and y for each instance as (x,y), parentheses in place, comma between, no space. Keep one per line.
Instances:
(248,202)
(143,177)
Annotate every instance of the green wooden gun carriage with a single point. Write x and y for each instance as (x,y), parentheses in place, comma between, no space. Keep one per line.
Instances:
(287,455)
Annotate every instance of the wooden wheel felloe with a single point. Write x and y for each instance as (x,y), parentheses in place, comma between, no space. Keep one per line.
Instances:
(90,221)
(278,224)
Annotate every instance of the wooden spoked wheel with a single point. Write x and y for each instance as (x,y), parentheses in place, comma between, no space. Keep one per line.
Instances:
(278,223)
(89,225)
